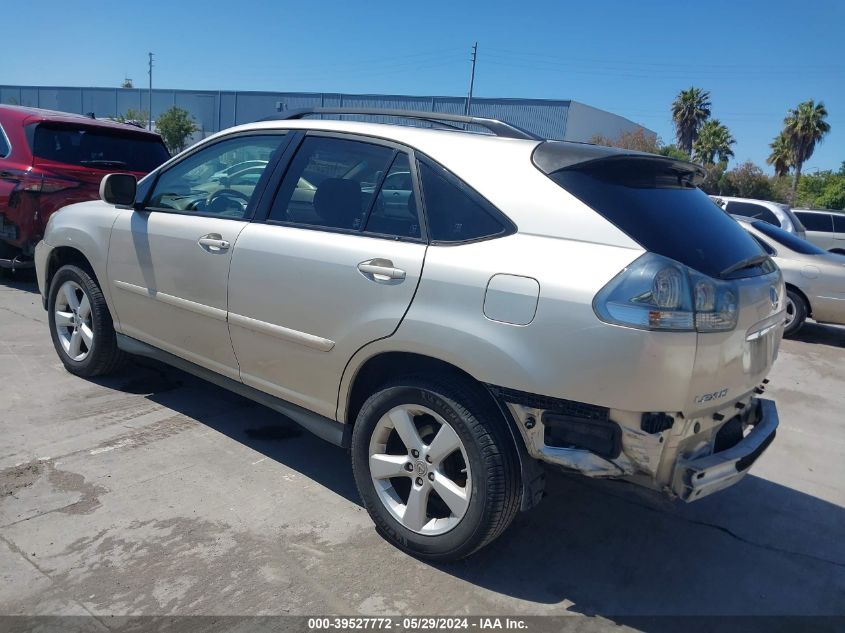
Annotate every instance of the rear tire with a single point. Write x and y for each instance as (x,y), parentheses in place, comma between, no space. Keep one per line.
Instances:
(420,438)
(796,313)
(80,324)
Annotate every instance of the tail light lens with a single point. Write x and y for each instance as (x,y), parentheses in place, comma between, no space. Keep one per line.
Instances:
(657,293)
(47,184)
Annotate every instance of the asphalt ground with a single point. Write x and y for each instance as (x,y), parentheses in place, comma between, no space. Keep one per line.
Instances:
(152,492)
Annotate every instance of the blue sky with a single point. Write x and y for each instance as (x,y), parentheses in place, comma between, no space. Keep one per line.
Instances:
(757,58)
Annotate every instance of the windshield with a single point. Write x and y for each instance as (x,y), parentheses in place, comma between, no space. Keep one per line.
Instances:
(664,216)
(98,148)
(792,242)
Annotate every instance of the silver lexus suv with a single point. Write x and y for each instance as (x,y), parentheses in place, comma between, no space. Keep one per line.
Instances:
(457,306)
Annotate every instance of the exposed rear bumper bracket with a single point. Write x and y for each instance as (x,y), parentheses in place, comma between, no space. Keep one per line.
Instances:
(697,478)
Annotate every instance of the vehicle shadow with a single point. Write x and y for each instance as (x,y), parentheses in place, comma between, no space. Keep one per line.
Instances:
(820,334)
(19,280)
(598,548)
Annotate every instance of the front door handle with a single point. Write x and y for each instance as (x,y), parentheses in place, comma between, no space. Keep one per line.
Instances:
(213,242)
(381,270)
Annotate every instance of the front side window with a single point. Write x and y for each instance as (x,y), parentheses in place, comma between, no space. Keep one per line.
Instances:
(220,179)
(820,222)
(750,210)
(455,215)
(331,183)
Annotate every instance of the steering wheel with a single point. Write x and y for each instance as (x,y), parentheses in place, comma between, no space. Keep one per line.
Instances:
(231,194)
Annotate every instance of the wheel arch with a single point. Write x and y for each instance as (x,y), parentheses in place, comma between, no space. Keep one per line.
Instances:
(386,365)
(67,255)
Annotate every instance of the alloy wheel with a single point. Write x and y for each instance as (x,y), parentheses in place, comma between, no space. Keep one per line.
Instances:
(73,318)
(420,470)
(790,311)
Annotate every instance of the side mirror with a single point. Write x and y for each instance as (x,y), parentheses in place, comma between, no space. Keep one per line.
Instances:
(119,189)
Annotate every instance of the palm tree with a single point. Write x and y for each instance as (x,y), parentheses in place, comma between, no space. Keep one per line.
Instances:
(714,140)
(689,111)
(804,126)
(781,156)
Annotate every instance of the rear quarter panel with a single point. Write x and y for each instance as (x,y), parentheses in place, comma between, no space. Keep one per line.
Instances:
(564,352)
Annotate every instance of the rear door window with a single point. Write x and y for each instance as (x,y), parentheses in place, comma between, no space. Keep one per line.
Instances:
(394,211)
(454,212)
(97,148)
(839,224)
(331,183)
(751,210)
(821,222)
(792,242)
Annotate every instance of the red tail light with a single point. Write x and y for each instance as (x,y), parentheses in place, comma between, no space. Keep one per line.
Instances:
(47,184)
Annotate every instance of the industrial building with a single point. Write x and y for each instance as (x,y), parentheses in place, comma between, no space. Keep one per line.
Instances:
(216,110)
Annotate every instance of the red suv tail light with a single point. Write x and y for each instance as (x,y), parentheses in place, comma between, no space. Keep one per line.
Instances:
(46,184)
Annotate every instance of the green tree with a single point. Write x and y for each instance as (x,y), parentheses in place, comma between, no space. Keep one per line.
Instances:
(134,117)
(747,181)
(714,181)
(714,141)
(804,126)
(636,139)
(175,126)
(781,156)
(822,190)
(672,151)
(690,109)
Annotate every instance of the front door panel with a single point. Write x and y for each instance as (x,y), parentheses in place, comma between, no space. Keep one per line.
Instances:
(168,273)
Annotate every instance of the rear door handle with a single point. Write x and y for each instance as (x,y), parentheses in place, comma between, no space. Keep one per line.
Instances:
(213,242)
(380,270)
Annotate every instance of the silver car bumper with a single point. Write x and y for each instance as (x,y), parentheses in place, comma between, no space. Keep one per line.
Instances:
(697,478)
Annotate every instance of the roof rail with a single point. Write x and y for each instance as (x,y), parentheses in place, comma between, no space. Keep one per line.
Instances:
(498,128)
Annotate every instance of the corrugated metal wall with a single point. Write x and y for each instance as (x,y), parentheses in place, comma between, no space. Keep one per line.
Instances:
(214,111)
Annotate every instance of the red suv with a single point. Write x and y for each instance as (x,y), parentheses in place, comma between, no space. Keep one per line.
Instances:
(49,160)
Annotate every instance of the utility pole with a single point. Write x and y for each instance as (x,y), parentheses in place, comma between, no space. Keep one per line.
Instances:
(471,77)
(150,71)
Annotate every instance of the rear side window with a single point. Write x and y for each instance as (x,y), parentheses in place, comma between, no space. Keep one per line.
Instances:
(4,144)
(661,213)
(839,223)
(792,242)
(750,210)
(97,148)
(454,214)
(820,222)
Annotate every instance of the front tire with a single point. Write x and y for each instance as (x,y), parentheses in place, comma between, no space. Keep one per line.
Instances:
(436,467)
(80,324)
(796,313)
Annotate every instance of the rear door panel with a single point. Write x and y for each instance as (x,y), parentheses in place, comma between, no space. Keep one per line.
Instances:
(300,307)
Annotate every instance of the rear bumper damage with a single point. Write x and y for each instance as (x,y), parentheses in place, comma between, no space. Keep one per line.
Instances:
(698,477)
(685,458)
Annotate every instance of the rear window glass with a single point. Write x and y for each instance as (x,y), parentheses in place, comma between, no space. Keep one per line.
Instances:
(792,242)
(98,148)
(674,220)
(750,210)
(816,221)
